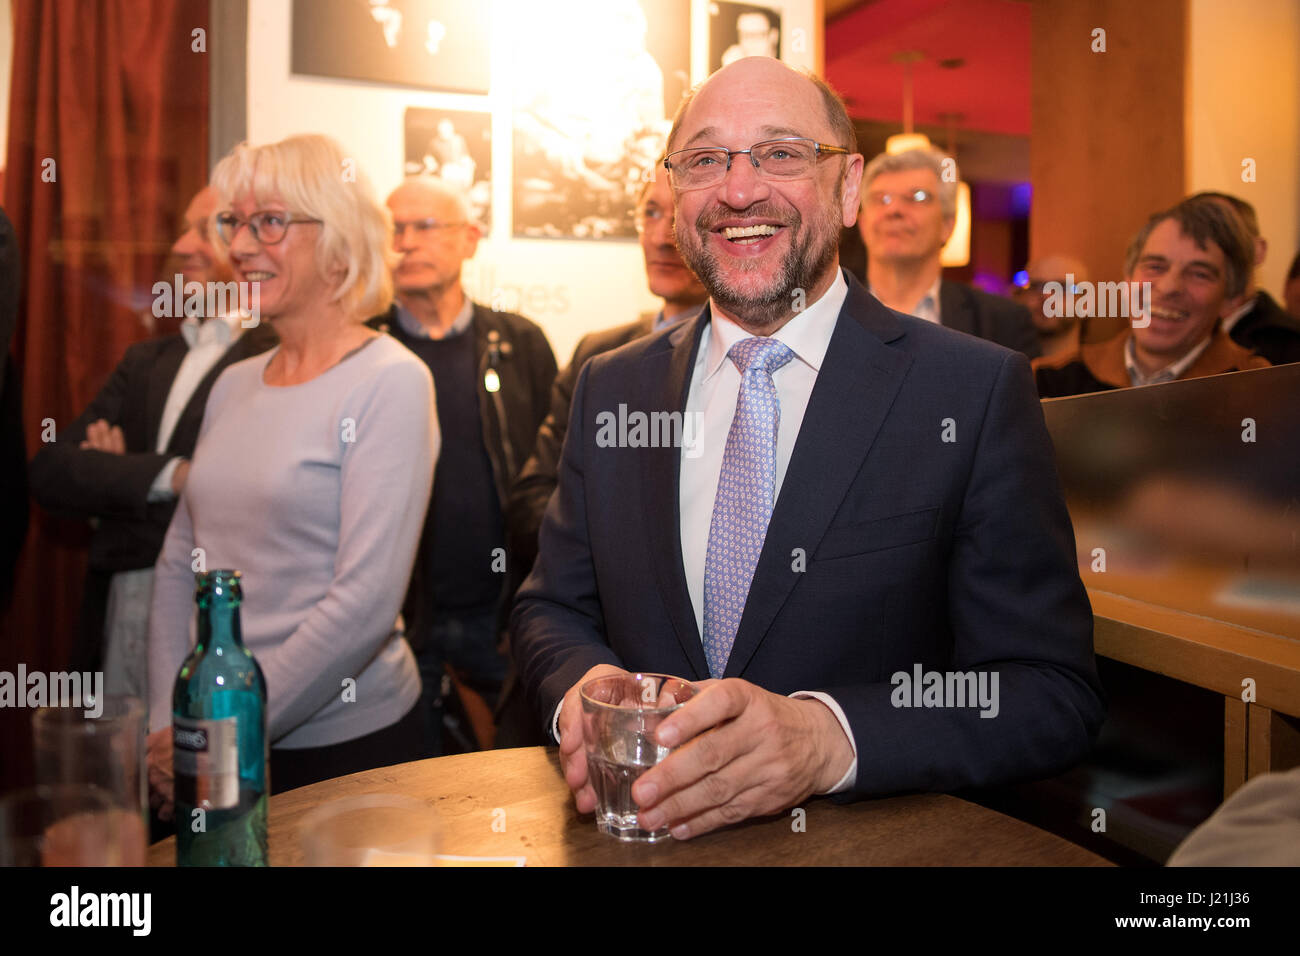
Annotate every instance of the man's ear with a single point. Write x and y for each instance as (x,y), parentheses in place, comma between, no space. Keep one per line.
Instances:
(1261,250)
(473,233)
(948,226)
(851,189)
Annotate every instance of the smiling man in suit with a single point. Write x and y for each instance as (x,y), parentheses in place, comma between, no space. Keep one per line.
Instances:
(125,459)
(909,209)
(868,494)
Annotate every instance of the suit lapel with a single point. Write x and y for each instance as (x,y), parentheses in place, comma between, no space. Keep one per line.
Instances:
(669,373)
(855,389)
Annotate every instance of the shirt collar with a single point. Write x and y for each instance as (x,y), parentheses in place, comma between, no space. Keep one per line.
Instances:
(661,323)
(808,334)
(220,330)
(415,328)
(928,306)
(1169,373)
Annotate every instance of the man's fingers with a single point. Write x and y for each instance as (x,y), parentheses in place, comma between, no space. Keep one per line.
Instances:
(722,701)
(715,818)
(705,765)
(741,789)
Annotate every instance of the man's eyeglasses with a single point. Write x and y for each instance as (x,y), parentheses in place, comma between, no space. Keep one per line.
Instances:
(268,228)
(423,227)
(913,197)
(791,157)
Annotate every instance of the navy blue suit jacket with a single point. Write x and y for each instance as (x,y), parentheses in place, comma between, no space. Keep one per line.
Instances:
(955,555)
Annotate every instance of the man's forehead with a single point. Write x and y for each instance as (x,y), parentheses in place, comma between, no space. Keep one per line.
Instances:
(925,176)
(423,199)
(756,95)
(658,194)
(202,205)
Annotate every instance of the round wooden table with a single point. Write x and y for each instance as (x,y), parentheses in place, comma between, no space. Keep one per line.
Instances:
(503,803)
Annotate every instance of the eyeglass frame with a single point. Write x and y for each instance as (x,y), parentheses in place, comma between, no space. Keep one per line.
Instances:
(818,150)
(290,219)
(887,199)
(428,224)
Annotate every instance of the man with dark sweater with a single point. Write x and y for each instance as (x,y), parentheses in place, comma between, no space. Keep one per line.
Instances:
(492,374)
(125,460)
(909,210)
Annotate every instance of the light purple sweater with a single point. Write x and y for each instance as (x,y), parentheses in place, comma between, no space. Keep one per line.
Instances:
(317,493)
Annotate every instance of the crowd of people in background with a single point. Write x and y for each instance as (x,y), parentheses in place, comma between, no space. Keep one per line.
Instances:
(377,452)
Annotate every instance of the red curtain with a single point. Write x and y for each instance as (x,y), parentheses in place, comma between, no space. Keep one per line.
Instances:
(108,120)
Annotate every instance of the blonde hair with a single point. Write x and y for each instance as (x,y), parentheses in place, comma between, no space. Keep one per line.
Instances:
(313,177)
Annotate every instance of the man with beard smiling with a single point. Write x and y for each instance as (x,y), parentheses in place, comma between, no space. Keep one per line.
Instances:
(871,493)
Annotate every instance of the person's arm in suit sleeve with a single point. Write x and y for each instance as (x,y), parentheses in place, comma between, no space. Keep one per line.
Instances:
(82,482)
(556,626)
(1017,608)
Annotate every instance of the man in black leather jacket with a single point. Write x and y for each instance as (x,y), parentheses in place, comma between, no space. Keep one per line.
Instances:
(492,375)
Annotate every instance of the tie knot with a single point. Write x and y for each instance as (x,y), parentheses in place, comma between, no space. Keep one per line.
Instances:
(760,353)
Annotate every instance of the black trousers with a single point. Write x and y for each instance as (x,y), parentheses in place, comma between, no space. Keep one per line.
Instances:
(396,743)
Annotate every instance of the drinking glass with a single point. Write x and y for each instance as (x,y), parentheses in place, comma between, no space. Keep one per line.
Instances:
(73,824)
(619,717)
(106,752)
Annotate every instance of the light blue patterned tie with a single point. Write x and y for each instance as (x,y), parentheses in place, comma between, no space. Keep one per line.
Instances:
(743,505)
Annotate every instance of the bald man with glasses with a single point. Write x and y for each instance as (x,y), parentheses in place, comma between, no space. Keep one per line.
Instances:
(492,373)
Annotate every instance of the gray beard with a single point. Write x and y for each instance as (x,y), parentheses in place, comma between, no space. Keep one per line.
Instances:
(802,269)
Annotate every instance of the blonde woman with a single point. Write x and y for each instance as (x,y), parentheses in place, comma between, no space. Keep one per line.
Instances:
(311,475)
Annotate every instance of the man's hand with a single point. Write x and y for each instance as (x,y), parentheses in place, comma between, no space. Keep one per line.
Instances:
(573,749)
(158,747)
(179,474)
(101,436)
(747,753)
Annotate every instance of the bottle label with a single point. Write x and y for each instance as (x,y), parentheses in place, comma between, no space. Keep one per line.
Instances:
(206,762)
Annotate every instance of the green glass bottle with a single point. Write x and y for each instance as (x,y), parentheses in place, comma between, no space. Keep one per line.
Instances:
(219,737)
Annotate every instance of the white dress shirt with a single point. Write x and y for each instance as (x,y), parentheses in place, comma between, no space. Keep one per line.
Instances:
(1169,373)
(714,391)
(208,341)
(928,307)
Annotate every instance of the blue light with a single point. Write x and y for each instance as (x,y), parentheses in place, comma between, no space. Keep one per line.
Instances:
(1021,279)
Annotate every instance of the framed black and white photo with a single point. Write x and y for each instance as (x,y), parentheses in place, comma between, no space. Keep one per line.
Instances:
(433,44)
(598,82)
(455,146)
(739,30)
